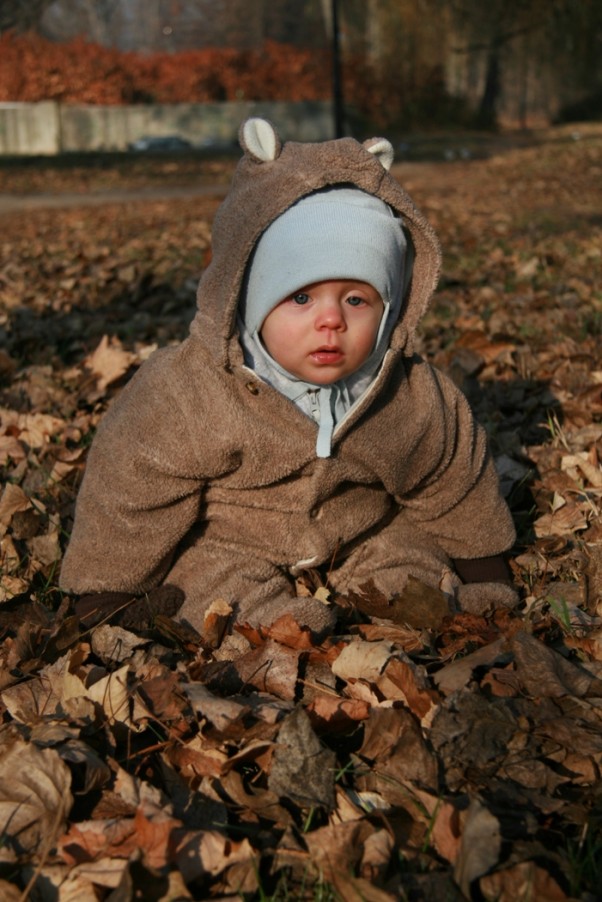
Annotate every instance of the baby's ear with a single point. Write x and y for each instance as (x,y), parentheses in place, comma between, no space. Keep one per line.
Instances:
(259,140)
(382,150)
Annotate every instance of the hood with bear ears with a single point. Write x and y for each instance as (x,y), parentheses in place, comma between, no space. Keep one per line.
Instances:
(269,178)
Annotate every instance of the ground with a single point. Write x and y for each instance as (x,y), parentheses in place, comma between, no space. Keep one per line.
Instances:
(414,754)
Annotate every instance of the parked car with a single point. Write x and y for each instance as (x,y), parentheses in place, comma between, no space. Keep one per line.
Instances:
(163,144)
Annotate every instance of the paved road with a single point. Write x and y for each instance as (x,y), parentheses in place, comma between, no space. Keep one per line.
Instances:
(16,203)
(19,203)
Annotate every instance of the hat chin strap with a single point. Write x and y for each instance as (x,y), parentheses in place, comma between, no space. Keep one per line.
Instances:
(326,425)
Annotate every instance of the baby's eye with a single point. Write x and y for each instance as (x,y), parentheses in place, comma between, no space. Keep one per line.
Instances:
(300,298)
(355,301)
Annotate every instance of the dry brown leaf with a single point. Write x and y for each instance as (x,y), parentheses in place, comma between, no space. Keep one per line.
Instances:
(88,841)
(362,660)
(257,751)
(331,714)
(32,429)
(212,853)
(501,682)
(458,673)
(13,500)
(480,845)
(488,350)
(256,803)
(9,892)
(287,631)
(525,880)
(403,680)
(154,837)
(272,668)
(106,872)
(419,605)
(113,643)
(215,622)
(543,672)
(410,640)
(117,700)
(336,850)
(11,449)
(163,696)
(197,759)
(109,362)
(302,769)
(565,520)
(443,821)
(219,711)
(44,550)
(35,799)
(11,586)
(394,746)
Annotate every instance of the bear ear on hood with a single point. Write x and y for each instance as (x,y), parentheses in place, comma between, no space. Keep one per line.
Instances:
(259,140)
(382,150)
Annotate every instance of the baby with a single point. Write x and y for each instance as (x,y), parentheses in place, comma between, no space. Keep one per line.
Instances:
(296,428)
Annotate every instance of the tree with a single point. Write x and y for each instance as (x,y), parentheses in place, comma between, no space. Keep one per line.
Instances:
(22,16)
(486,30)
(552,47)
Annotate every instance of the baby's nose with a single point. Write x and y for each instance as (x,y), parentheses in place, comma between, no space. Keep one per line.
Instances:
(329,315)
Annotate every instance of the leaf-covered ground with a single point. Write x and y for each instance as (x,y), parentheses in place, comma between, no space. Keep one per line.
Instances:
(413,755)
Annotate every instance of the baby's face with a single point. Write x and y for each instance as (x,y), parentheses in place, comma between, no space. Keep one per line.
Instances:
(324,331)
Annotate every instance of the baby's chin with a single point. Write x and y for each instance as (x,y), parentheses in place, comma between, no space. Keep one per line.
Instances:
(322,379)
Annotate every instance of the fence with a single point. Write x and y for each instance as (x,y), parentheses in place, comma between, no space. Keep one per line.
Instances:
(48,128)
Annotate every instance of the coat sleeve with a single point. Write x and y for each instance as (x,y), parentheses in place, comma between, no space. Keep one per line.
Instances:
(457,499)
(140,495)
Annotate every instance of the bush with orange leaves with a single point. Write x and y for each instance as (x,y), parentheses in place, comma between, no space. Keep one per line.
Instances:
(34,69)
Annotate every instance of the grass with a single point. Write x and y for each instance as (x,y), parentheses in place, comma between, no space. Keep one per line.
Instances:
(584,858)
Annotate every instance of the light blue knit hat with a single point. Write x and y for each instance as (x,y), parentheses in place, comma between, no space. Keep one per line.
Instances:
(338,233)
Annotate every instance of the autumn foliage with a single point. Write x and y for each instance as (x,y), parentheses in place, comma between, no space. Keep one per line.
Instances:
(34,69)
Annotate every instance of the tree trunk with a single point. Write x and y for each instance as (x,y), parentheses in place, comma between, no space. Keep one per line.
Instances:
(487,112)
(21,16)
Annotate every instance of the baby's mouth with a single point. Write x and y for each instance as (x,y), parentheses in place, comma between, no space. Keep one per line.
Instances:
(327,354)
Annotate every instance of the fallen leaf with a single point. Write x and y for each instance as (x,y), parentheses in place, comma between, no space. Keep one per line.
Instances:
(35,799)
(273,667)
(302,769)
(215,622)
(108,362)
(563,521)
(362,660)
(480,846)
(212,853)
(394,745)
(13,500)
(331,714)
(525,880)
(419,605)
(458,674)
(113,643)
(402,680)
(544,673)
(105,872)
(219,711)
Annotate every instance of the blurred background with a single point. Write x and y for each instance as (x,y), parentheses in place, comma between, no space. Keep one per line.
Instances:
(394,66)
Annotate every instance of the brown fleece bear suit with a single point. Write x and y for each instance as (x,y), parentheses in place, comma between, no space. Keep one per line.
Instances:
(203,476)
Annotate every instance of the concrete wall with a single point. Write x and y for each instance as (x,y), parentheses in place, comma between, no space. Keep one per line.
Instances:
(29,128)
(49,128)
